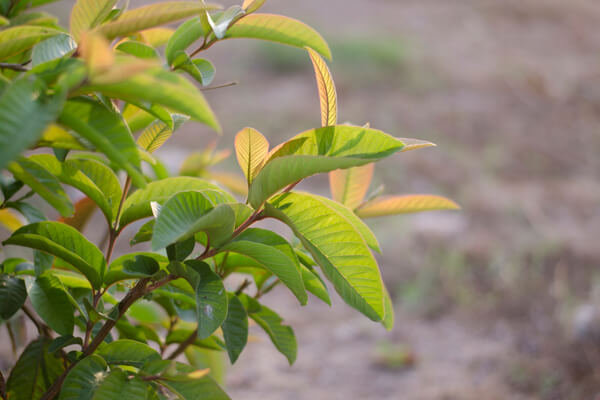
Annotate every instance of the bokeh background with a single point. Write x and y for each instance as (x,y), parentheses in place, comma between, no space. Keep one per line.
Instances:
(497,301)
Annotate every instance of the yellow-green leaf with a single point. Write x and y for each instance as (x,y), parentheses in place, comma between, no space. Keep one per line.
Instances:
(280,29)
(156,37)
(251,149)
(252,5)
(87,14)
(150,16)
(415,144)
(20,38)
(96,52)
(327,95)
(392,205)
(349,186)
(10,220)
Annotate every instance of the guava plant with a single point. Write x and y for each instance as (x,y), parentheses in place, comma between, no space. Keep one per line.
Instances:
(95,102)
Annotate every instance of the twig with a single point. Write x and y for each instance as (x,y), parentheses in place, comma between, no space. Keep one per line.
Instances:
(228,84)
(243,286)
(183,345)
(290,187)
(42,328)
(266,290)
(14,67)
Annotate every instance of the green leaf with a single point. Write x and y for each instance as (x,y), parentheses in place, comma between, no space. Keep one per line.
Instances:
(64,242)
(274,254)
(200,69)
(320,150)
(52,48)
(187,213)
(63,341)
(138,49)
(337,246)
(84,378)
(144,234)
(388,320)
(186,34)
(280,29)
(162,87)
(18,131)
(52,304)
(137,206)
(224,20)
(211,298)
(92,178)
(188,387)
(282,336)
(314,284)
(235,328)
(181,335)
(133,266)
(251,149)
(252,5)
(157,133)
(128,352)
(20,38)
(43,183)
(150,16)
(327,95)
(35,370)
(118,385)
(12,295)
(87,14)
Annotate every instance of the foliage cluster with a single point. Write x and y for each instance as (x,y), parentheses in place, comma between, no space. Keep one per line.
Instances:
(101,98)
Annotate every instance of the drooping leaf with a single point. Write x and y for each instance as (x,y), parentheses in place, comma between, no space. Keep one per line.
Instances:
(128,352)
(252,5)
(43,183)
(157,133)
(64,242)
(392,205)
(251,149)
(137,206)
(314,284)
(337,246)
(9,220)
(187,213)
(87,14)
(282,336)
(235,328)
(162,87)
(138,49)
(186,34)
(57,137)
(180,250)
(414,144)
(200,69)
(12,295)
(95,180)
(150,16)
(273,253)
(388,320)
(132,266)
(280,29)
(220,24)
(17,39)
(327,94)
(84,378)
(117,384)
(51,302)
(35,370)
(52,48)
(63,341)
(349,186)
(107,131)
(22,99)
(320,150)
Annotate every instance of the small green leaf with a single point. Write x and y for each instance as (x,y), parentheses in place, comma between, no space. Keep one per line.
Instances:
(137,206)
(224,20)
(251,149)
(337,246)
(187,213)
(64,242)
(186,34)
(150,16)
(133,266)
(22,99)
(35,370)
(282,336)
(52,304)
(200,69)
(43,183)
(138,49)
(128,352)
(17,39)
(280,29)
(84,378)
(12,295)
(157,133)
(235,328)
(314,284)
(320,150)
(52,48)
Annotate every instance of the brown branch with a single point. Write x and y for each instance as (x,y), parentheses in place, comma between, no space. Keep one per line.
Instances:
(42,328)
(243,286)
(228,84)
(14,67)
(183,345)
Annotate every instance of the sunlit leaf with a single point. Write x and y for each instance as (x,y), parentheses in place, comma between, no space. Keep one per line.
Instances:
(314,284)
(251,149)
(392,205)
(388,320)
(87,14)
(138,49)
(220,24)
(278,28)
(10,220)
(156,37)
(252,5)
(200,69)
(327,94)
(186,34)
(97,54)
(414,144)
(349,186)
(157,133)
(17,39)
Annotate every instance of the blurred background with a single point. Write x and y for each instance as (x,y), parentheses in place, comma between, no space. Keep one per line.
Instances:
(496,301)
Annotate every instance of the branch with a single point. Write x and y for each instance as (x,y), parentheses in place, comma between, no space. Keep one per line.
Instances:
(42,328)
(228,84)
(14,67)
(183,345)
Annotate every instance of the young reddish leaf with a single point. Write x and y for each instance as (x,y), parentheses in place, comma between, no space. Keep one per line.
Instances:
(349,186)
(251,149)
(84,209)
(392,205)
(252,5)
(280,29)
(96,52)
(327,95)
(156,37)
(87,14)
